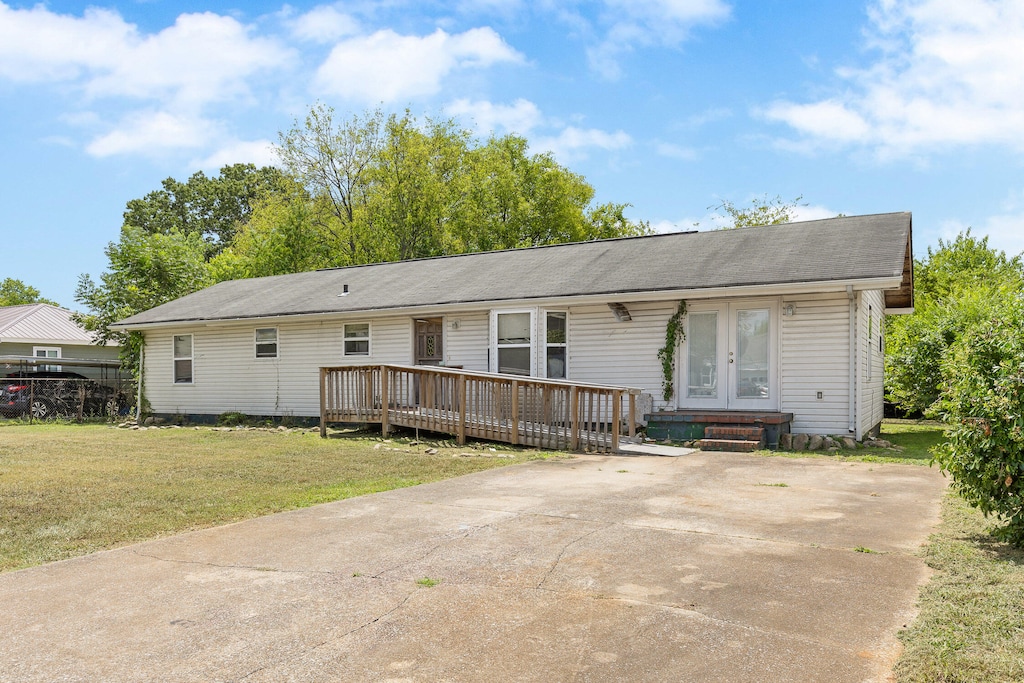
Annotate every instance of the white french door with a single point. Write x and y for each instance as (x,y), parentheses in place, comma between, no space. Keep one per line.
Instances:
(728,361)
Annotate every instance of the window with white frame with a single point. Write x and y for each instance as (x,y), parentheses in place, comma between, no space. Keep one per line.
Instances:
(357,339)
(514,342)
(182,358)
(556,356)
(47,352)
(266,342)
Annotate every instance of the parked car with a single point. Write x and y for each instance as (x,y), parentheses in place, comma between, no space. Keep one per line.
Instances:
(46,393)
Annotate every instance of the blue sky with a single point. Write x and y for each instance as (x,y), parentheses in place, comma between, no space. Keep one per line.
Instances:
(670,105)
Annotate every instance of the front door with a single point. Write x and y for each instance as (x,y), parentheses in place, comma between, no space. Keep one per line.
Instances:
(429,341)
(728,358)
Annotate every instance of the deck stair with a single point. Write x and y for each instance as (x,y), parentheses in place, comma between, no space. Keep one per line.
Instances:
(734,439)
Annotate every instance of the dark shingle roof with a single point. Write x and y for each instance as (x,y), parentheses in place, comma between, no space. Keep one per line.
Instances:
(836,249)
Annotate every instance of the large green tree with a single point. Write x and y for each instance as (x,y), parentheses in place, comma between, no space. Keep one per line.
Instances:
(953,285)
(145,270)
(15,293)
(386,188)
(212,207)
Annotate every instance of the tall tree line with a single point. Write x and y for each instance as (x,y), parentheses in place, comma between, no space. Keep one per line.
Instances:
(366,189)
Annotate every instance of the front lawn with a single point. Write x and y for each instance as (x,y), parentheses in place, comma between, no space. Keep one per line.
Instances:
(67,490)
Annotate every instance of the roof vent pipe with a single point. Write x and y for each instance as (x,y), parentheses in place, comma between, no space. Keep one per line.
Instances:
(344,290)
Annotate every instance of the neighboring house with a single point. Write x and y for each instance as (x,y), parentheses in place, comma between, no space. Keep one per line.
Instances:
(780,318)
(31,332)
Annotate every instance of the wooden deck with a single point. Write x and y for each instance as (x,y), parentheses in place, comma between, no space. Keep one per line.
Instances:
(527,411)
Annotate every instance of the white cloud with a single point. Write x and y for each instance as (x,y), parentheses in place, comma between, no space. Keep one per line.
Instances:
(573,143)
(258,152)
(649,22)
(323,24)
(1005,229)
(673,151)
(151,133)
(949,74)
(521,116)
(813,212)
(201,58)
(386,66)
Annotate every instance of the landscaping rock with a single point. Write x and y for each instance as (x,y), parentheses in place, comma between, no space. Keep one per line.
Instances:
(849,442)
(815,442)
(830,443)
(786,441)
(800,442)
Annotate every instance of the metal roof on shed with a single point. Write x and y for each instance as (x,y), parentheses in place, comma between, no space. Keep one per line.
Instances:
(850,248)
(40,323)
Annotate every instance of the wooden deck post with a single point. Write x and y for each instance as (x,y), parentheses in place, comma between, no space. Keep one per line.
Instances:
(463,401)
(323,403)
(515,414)
(574,418)
(384,400)
(616,418)
(632,414)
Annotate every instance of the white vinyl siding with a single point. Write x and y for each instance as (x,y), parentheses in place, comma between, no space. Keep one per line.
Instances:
(232,380)
(466,342)
(815,358)
(605,351)
(871,360)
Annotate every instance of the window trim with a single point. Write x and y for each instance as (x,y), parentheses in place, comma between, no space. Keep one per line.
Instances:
(257,343)
(549,345)
(47,368)
(190,358)
(345,339)
(496,346)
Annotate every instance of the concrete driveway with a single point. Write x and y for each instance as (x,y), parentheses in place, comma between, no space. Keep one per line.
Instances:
(707,567)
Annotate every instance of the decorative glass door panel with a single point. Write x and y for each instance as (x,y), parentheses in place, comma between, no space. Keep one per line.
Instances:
(751,353)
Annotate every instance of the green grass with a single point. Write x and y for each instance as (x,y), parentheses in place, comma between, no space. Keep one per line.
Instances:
(971,622)
(67,490)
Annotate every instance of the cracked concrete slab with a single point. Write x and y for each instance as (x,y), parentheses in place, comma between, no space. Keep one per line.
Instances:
(708,567)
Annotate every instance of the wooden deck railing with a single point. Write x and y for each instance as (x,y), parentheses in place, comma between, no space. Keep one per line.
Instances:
(517,410)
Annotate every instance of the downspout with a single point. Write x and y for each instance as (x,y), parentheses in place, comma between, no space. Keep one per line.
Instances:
(142,371)
(852,426)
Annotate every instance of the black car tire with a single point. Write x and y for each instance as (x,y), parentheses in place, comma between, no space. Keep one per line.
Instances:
(41,409)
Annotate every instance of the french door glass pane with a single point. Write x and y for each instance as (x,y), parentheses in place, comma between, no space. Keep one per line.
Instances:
(702,368)
(752,354)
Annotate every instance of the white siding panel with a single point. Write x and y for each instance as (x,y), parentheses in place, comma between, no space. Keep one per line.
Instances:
(228,377)
(468,345)
(605,351)
(871,365)
(814,357)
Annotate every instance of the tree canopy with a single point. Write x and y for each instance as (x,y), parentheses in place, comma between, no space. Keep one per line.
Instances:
(370,188)
(763,210)
(16,293)
(953,286)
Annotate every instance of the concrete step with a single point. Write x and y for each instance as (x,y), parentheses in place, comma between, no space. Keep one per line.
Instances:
(735,433)
(731,445)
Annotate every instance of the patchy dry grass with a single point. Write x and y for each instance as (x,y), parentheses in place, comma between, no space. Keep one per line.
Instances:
(67,490)
(971,624)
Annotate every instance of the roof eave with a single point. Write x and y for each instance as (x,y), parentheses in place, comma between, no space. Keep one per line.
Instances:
(774,289)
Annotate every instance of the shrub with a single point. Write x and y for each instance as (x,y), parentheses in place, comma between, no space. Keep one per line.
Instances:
(982,400)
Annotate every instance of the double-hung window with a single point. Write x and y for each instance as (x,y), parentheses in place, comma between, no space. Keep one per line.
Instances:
(514,342)
(182,359)
(266,342)
(357,339)
(555,344)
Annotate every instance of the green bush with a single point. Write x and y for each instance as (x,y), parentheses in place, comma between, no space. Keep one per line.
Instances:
(982,400)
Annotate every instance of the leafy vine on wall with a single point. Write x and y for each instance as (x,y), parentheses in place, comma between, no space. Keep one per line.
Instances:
(675,332)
